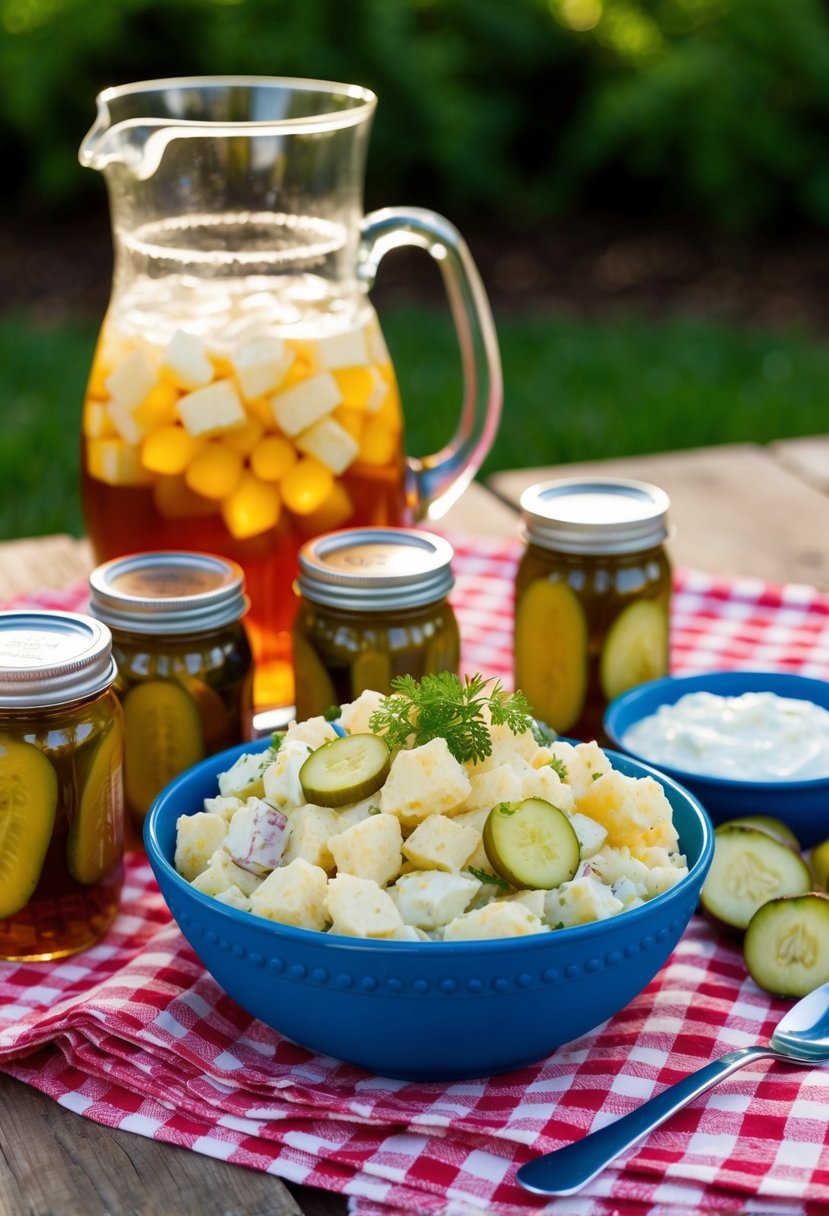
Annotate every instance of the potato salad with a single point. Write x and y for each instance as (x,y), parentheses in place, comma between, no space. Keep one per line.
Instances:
(407,819)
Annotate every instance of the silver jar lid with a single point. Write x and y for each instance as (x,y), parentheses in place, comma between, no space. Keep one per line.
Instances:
(375,569)
(52,658)
(595,515)
(168,591)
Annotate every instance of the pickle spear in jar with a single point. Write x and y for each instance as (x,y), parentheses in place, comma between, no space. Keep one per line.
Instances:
(28,800)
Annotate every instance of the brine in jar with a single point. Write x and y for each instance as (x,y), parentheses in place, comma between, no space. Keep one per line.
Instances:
(61,789)
(592,598)
(373,605)
(185,668)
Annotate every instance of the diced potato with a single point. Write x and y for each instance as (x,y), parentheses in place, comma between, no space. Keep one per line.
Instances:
(534,901)
(634,810)
(293,895)
(430,898)
(244,779)
(369,849)
(281,780)
(234,898)
(585,763)
(212,410)
(487,789)
(221,873)
(427,780)
(580,901)
(224,806)
(358,907)
(297,408)
(197,839)
(475,820)
(507,748)
(441,843)
(185,361)
(355,716)
(506,918)
(545,783)
(591,835)
(310,828)
(312,732)
(257,836)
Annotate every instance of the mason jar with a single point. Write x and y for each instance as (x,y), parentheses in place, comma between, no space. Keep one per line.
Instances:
(373,604)
(185,670)
(61,789)
(592,597)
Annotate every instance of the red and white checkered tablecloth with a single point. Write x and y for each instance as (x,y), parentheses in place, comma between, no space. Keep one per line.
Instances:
(135,1035)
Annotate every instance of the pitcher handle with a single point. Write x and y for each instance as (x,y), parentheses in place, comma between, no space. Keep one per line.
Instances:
(435,482)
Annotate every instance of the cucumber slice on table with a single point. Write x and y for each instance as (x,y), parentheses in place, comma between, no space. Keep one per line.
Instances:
(531,844)
(786,946)
(772,825)
(345,770)
(819,863)
(635,649)
(28,802)
(551,639)
(750,867)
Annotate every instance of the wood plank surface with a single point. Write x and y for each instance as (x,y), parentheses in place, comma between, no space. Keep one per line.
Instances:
(735,509)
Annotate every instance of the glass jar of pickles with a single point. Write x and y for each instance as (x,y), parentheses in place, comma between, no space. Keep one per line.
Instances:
(185,671)
(592,602)
(373,605)
(61,790)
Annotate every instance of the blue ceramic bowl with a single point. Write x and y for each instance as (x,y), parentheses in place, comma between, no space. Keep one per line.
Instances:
(427,1010)
(802,805)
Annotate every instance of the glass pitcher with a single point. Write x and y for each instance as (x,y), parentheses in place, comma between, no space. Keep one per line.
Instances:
(241,397)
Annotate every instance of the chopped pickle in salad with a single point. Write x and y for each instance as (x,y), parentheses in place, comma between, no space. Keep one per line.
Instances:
(469,825)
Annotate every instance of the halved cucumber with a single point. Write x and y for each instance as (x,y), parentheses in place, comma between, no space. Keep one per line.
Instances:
(750,867)
(164,736)
(772,825)
(551,639)
(635,649)
(786,946)
(95,841)
(28,802)
(345,770)
(531,844)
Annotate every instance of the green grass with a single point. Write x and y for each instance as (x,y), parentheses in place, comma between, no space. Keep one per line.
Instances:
(574,390)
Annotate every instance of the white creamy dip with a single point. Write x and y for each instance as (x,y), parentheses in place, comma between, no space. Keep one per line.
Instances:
(757,736)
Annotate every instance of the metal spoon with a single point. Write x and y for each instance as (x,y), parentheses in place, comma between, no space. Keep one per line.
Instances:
(801,1037)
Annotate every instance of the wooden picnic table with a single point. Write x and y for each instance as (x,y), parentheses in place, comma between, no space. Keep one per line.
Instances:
(735,510)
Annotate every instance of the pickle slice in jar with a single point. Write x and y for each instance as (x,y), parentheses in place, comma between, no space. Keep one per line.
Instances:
(28,802)
(551,653)
(164,736)
(216,721)
(96,836)
(531,844)
(635,649)
(345,770)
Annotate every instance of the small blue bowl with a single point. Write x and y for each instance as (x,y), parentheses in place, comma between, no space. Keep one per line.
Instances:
(428,1011)
(801,805)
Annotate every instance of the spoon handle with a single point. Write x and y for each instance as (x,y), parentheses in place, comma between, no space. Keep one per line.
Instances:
(567,1169)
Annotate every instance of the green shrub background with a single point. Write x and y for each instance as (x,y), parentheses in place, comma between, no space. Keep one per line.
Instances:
(715,109)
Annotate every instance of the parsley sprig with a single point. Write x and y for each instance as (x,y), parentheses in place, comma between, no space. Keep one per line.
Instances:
(442,705)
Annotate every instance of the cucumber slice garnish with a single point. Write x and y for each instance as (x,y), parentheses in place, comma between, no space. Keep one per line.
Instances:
(531,844)
(635,649)
(345,770)
(750,867)
(786,946)
(551,639)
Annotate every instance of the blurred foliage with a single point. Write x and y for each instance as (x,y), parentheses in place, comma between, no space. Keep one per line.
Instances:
(717,109)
